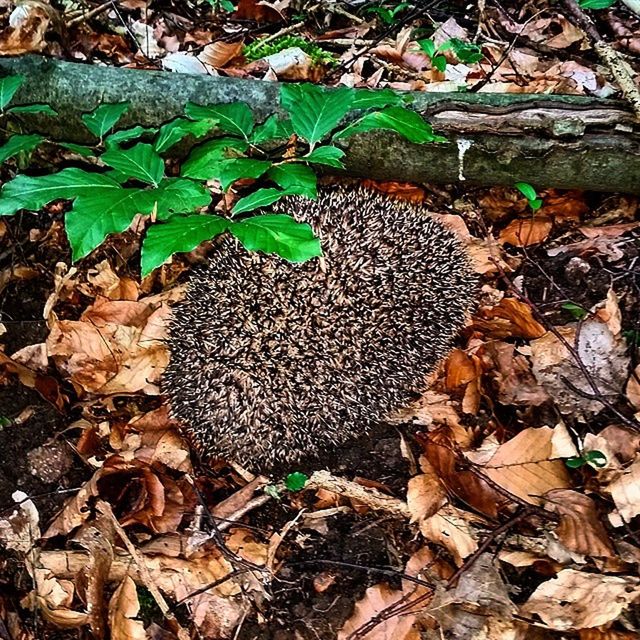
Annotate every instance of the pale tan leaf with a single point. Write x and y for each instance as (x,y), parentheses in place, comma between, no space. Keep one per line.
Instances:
(633,388)
(123,611)
(578,600)
(625,492)
(524,465)
(218,54)
(525,232)
(425,495)
(449,528)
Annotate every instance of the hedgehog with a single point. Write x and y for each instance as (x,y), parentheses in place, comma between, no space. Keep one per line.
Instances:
(275,364)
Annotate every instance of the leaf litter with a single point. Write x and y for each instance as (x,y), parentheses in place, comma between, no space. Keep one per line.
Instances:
(515,493)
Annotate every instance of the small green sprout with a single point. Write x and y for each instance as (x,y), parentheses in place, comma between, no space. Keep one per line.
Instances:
(576,311)
(295,481)
(466,52)
(595,459)
(388,15)
(530,194)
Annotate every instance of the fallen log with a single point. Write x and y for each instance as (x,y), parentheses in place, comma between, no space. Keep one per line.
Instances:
(548,141)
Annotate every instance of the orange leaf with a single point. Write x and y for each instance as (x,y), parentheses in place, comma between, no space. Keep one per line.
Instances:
(218,54)
(525,232)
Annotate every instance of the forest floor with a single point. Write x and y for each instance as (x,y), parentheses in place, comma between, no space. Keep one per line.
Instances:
(503,504)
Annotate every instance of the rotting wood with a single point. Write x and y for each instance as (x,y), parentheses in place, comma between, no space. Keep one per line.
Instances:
(548,141)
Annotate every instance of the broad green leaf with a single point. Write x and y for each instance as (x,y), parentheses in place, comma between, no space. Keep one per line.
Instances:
(33,192)
(279,234)
(204,160)
(315,111)
(180,234)
(328,155)
(439,62)
(178,129)
(235,118)
(102,212)
(466,52)
(295,178)
(527,190)
(369,99)
(179,195)
(8,87)
(575,310)
(80,149)
(272,129)
(34,108)
(596,4)
(140,162)
(256,200)
(295,481)
(232,170)
(17,144)
(407,123)
(428,46)
(125,135)
(104,118)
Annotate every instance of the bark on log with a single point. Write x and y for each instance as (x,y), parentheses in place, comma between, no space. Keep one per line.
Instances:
(548,141)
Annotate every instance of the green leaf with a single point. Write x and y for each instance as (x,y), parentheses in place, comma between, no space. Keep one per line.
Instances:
(125,135)
(140,162)
(428,46)
(406,122)
(369,99)
(33,192)
(204,160)
(327,155)
(295,481)
(34,108)
(439,62)
(180,234)
(295,178)
(575,310)
(235,118)
(535,204)
(526,190)
(466,52)
(17,144)
(595,458)
(315,111)
(272,129)
(8,87)
(575,463)
(596,4)
(179,195)
(178,129)
(102,212)
(256,200)
(80,149)
(279,234)
(232,170)
(104,118)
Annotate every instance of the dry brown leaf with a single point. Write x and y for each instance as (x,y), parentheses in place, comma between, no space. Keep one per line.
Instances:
(577,599)
(431,408)
(449,527)
(609,313)
(602,354)
(509,318)
(580,529)
(633,388)
(625,492)
(461,369)
(107,283)
(425,494)
(525,465)
(526,231)
(567,205)
(123,611)
(218,54)
(29,23)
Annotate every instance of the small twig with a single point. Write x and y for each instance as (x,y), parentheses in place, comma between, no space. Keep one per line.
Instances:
(620,70)
(89,14)
(283,32)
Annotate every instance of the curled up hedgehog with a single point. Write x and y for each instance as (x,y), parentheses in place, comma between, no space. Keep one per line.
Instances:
(274,363)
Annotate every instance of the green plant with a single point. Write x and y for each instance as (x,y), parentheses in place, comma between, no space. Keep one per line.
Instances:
(576,311)
(529,192)
(127,173)
(596,4)
(465,52)
(388,15)
(595,459)
(260,49)
(221,5)
(296,481)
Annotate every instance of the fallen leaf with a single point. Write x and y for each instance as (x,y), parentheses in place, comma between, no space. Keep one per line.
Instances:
(449,528)
(525,465)
(28,25)
(425,493)
(577,599)
(527,231)
(123,612)
(580,529)
(625,492)
(218,54)
(509,318)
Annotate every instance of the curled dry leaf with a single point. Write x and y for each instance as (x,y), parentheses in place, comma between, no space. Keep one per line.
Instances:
(625,492)
(509,318)
(425,493)
(450,528)
(602,354)
(577,599)
(218,54)
(527,231)
(123,611)
(106,282)
(526,466)
(580,529)
(28,25)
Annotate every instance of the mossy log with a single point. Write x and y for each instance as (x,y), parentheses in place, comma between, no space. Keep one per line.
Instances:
(548,141)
